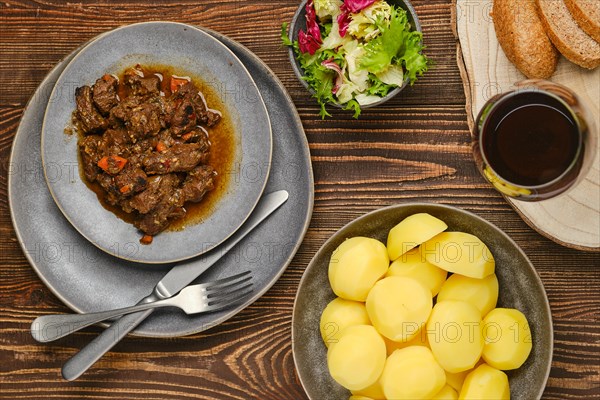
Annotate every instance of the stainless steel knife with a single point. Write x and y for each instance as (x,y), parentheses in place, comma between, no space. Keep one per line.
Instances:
(176,279)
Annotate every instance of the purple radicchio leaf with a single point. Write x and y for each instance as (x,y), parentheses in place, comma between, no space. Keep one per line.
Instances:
(339,81)
(311,40)
(355,6)
(308,44)
(312,26)
(343,21)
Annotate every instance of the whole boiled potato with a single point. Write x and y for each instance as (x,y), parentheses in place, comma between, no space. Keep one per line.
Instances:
(454,331)
(482,293)
(340,314)
(461,253)
(485,383)
(355,266)
(414,265)
(456,380)
(357,359)
(507,338)
(412,373)
(411,232)
(399,307)
(375,392)
(447,393)
(420,339)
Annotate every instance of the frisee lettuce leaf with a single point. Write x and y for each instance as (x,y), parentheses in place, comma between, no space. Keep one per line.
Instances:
(354,106)
(321,80)
(327,9)
(326,29)
(285,39)
(377,87)
(318,77)
(382,50)
(414,62)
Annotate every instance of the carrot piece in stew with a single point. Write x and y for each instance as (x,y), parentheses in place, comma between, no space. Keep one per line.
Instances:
(160,147)
(146,239)
(126,189)
(112,164)
(176,83)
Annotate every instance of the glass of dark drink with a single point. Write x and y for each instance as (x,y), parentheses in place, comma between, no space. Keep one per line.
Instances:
(534,142)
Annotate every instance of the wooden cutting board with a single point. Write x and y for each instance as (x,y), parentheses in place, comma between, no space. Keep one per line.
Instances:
(572,219)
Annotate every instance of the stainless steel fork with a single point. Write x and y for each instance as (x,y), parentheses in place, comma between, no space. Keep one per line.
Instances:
(205,297)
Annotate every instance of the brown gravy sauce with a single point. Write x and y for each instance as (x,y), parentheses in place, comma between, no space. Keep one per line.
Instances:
(222,152)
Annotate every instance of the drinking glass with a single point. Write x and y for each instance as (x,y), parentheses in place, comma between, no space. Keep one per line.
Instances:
(534,142)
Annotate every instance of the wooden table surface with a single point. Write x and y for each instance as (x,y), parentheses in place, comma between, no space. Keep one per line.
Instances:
(415,148)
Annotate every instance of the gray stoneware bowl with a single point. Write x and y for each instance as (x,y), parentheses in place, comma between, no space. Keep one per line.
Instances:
(201,56)
(520,288)
(299,23)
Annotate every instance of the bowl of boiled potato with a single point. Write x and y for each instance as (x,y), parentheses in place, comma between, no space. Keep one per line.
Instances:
(421,301)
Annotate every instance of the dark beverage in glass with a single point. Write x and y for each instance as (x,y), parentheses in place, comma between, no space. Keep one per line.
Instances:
(533,143)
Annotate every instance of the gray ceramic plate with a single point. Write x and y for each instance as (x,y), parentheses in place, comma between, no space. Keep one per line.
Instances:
(520,288)
(88,279)
(198,54)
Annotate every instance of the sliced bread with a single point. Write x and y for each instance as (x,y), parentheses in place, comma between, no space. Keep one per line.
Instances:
(567,36)
(523,39)
(587,15)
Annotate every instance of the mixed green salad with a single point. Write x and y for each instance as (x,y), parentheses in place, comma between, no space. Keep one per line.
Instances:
(354,52)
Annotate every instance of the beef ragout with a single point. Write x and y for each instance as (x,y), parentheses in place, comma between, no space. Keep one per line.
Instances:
(145,142)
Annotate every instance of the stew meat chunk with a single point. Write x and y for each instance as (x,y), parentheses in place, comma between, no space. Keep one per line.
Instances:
(146,145)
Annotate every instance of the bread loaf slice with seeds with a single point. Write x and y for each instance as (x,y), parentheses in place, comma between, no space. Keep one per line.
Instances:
(523,39)
(576,45)
(587,16)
